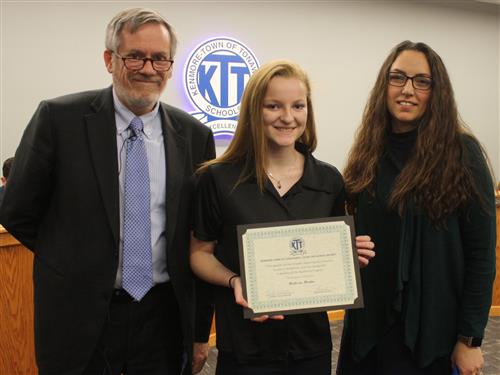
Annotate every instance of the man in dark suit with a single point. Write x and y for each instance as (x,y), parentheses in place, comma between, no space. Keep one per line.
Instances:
(113,290)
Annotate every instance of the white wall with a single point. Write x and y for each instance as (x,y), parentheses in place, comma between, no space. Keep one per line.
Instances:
(53,48)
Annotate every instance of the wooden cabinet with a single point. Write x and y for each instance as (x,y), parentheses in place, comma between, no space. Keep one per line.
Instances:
(17,350)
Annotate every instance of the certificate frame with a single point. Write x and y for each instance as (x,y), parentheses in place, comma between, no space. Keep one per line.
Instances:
(253,238)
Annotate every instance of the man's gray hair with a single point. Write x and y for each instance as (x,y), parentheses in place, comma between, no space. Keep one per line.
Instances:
(132,19)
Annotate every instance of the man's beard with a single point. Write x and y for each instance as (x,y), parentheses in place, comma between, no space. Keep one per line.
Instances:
(136,99)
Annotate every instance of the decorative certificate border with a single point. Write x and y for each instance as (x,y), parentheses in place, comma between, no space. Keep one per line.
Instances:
(313,248)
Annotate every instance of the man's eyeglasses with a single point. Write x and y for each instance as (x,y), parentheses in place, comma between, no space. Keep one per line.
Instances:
(418,82)
(137,63)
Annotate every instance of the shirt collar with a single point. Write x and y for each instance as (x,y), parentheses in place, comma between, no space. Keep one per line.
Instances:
(313,177)
(126,116)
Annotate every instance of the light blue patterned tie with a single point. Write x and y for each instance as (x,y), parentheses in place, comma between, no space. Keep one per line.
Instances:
(137,255)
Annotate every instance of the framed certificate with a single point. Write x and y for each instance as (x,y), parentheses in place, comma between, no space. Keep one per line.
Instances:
(299,266)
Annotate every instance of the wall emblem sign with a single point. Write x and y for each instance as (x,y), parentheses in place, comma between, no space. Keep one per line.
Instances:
(215,75)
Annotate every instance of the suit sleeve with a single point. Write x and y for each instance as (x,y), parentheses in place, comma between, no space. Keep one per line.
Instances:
(478,232)
(30,186)
(204,291)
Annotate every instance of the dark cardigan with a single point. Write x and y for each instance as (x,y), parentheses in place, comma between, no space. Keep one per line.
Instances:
(436,281)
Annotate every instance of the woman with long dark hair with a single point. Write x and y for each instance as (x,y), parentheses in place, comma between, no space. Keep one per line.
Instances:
(267,174)
(419,184)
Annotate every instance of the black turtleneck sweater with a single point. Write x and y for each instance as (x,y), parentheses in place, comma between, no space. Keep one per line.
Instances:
(401,145)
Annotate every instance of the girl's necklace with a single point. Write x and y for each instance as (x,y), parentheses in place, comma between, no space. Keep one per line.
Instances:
(278,182)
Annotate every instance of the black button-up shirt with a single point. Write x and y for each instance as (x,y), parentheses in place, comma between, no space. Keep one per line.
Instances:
(219,208)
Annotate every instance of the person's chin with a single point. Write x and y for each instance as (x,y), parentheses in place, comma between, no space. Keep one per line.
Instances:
(145,86)
(146,100)
(407,117)
(282,143)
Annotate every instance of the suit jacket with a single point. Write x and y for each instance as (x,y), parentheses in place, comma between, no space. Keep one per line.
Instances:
(62,202)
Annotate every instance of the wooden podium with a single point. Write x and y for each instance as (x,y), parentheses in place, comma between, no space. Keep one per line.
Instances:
(17,348)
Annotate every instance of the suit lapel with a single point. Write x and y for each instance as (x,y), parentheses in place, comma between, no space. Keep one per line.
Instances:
(101,131)
(175,155)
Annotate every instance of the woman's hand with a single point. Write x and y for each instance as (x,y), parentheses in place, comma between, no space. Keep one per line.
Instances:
(469,361)
(365,248)
(238,297)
